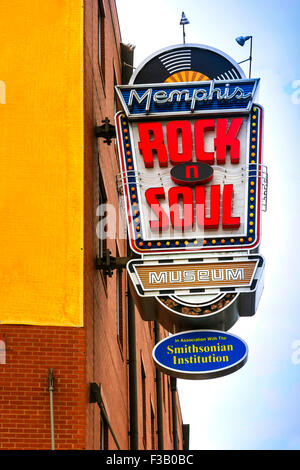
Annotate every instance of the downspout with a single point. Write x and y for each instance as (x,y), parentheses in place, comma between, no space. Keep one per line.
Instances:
(174,412)
(51,389)
(133,409)
(186,436)
(160,436)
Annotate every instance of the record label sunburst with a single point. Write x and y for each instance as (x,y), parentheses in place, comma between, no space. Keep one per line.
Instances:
(187,76)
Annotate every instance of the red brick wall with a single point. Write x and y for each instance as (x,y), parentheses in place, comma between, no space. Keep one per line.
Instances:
(106,362)
(24,396)
(167,409)
(79,356)
(144,346)
(106,358)
(145,342)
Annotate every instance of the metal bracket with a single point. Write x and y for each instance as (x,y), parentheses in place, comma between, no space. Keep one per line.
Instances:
(50,380)
(107,131)
(108,263)
(95,395)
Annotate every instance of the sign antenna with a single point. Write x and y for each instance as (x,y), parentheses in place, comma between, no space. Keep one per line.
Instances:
(183,22)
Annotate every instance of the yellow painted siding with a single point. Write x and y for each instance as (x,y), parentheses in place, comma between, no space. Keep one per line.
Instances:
(41,162)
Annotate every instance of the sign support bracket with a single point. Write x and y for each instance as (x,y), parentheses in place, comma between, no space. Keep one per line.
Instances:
(107,131)
(109,263)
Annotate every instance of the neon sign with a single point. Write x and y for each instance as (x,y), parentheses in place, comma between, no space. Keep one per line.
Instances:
(191,171)
(193,183)
(229,95)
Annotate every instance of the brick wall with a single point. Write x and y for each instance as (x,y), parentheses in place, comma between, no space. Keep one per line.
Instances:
(98,352)
(106,359)
(24,395)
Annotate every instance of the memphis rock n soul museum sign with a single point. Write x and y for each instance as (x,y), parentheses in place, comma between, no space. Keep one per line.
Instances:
(190,146)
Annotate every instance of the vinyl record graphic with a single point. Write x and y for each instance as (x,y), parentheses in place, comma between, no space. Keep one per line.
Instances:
(187,63)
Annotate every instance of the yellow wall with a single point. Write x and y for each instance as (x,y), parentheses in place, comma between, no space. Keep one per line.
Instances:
(41,162)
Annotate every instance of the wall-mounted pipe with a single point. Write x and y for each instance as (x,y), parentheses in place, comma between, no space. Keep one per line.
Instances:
(160,433)
(186,436)
(51,389)
(174,412)
(133,407)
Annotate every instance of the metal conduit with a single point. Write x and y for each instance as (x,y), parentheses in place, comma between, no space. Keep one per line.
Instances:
(160,435)
(133,411)
(174,412)
(51,389)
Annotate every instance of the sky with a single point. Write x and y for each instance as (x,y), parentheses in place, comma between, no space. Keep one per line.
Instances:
(257,407)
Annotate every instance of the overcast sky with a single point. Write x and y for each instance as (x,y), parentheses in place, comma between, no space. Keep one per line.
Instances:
(257,407)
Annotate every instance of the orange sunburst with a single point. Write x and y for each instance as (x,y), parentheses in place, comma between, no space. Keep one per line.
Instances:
(186,76)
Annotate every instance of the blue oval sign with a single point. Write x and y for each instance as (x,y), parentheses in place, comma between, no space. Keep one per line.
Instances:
(200,354)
